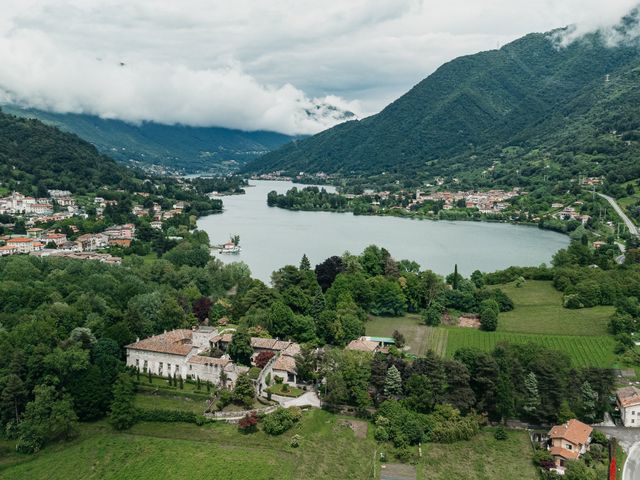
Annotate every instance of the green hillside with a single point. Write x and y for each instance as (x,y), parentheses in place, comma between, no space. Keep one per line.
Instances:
(35,157)
(532,108)
(176,146)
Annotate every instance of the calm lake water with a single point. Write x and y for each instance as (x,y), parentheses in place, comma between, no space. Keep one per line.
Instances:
(272,237)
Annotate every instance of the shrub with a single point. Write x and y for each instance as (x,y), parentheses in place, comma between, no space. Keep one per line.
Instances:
(500,434)
(263,358)
(488,320)
(248,423)
(295,441)
(278,379)
(599,438)
(381,434)
(572,301)
(280,421)
(153,415)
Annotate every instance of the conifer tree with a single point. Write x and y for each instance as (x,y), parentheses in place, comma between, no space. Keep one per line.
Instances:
(589,399)
(532,400)
(305,264)
(123,412)
(393,382)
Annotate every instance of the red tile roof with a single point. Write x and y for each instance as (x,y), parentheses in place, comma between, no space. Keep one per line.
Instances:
(362,345)
(285,363)
(564,453)
(573,431)
(176,342)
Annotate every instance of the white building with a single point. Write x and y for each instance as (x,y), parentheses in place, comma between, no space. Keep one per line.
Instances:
(628,400)
(177,353)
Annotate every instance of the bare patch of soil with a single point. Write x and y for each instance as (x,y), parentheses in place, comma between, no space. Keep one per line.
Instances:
(469,322)
(359,427)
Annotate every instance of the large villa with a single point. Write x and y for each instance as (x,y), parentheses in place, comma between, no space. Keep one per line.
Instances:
(187,353)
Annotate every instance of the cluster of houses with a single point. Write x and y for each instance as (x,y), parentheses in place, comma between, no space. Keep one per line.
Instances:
(492,201)
(186,353)
(570,212)
(157,214)
(43,242)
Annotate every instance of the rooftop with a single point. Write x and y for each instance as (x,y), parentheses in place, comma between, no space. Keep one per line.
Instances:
(175,342)
(628,396)
(573,431)
(363,345)
(285,363)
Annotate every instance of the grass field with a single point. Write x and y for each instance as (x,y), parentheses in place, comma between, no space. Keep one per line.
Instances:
(409,325)
(177,451)
(539,310)
(483,458)
(156,402)
(583,350)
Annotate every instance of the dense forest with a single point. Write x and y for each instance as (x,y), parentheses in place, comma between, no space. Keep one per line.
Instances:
(531,111)
(35,157)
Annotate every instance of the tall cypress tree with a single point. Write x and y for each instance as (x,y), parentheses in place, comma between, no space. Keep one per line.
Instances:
(532,400)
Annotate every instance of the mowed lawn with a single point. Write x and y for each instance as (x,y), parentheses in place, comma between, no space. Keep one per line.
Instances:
(158,402)
(482,458)
(149,450)
(410,326)
(538,309)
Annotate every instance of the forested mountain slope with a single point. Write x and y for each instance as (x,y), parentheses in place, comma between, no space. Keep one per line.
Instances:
(175,146)
(35,157)
(531,104)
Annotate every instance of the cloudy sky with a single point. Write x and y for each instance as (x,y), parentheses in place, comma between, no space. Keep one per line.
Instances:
(252,64)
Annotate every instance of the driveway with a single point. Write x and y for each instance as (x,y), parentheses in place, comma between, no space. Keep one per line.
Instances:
(308,398)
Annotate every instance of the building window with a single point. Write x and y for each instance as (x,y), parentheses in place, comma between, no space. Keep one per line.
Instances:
(160,368)
(169,367)
(633,420)
(569,446)
(145,365)
(137,363)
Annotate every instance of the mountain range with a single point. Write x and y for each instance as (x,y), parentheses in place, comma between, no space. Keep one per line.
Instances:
(534,104)
(178,147)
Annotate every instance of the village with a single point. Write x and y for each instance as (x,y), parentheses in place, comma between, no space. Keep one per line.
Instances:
(42,235)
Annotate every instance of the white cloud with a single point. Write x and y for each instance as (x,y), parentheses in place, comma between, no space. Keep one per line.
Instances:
(249,64)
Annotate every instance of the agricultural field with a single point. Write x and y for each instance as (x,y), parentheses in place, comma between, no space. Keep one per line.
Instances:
(176,451)
(482,458)
(538,309)
(596,351)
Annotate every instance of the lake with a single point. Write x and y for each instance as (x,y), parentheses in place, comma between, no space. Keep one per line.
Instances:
(271,237)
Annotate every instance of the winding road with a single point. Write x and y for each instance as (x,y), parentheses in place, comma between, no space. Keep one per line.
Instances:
(632,465)
(632,228)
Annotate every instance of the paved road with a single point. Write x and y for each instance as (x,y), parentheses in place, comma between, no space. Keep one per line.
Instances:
(629,440)
(632,228)
(632,465)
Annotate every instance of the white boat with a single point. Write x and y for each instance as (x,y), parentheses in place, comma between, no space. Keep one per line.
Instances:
(229,248)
